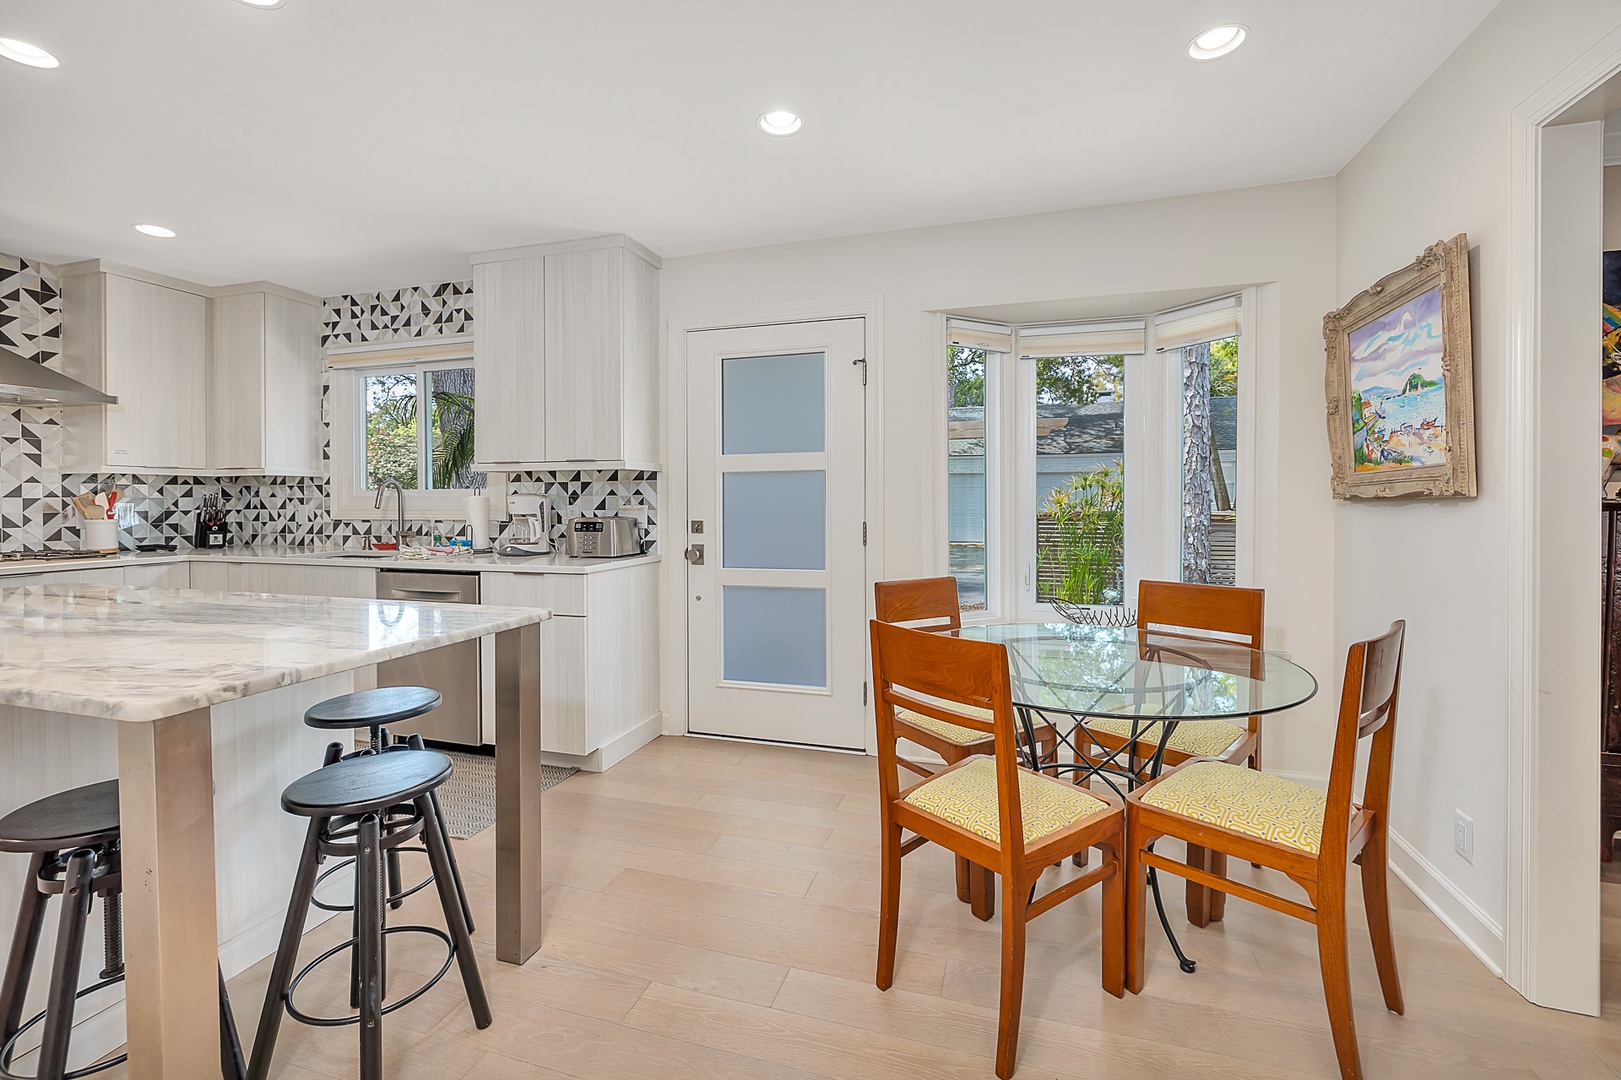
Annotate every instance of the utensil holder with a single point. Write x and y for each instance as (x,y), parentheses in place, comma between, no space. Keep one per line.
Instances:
(98,535)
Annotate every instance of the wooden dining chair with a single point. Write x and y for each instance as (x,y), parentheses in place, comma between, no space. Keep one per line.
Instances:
(931,604)
(1311,836)
(989,809)
(1172,610)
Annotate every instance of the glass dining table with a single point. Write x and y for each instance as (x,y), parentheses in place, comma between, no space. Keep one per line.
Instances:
(1069,675)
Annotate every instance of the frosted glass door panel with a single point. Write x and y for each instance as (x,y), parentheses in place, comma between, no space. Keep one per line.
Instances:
(773,404)
(772,635)
(774,520)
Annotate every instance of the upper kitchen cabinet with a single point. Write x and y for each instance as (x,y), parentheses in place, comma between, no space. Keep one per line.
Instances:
(565,344)
(143,338)
(265,382)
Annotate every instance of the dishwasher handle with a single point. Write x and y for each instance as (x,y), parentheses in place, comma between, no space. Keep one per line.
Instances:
(423,594)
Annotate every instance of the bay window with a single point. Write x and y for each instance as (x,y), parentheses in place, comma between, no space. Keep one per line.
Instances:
(1083,457)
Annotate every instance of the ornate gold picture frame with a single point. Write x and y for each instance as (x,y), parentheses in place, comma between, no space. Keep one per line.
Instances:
(1401,382)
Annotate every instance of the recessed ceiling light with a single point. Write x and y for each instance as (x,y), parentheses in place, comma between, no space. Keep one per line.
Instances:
(263,3)
(155,230)
(780,122)
(24,53)
(1217,41)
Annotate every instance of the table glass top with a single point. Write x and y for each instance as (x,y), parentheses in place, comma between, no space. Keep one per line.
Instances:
(1100,671)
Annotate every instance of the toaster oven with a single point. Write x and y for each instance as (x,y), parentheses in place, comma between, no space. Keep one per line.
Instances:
(603,537)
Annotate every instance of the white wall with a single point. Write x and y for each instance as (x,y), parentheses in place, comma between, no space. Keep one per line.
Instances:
(1441,166)
(1281,237)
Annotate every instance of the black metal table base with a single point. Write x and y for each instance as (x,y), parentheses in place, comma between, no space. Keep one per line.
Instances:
(1106,769)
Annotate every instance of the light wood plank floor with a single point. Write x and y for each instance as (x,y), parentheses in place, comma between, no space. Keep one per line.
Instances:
(711,912)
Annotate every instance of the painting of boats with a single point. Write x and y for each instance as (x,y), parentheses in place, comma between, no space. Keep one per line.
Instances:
(1398,388)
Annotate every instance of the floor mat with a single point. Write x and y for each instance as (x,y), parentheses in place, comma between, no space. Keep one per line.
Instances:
(468,797)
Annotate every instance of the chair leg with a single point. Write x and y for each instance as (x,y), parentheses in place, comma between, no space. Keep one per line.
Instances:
(292,932)
(1198,896)
(450,900)
(231,1065)
(76,897)
(369,904)
(1376,899)
(1136,889)
(964,868)
(1332,954)
(981,892)
(1014,900)
(24,946)
(1114,920)
(889,904)
(1218,899)
(415,742)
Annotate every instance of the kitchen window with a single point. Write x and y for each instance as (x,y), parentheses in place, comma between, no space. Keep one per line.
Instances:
(403,414)
(1084,457)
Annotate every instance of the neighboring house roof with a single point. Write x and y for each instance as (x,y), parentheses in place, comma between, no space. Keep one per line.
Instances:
(1083,429)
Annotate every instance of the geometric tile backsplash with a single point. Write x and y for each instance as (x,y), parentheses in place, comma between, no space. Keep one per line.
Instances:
(34,492)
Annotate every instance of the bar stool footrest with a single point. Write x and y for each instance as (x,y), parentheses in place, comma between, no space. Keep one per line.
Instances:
(10,1046)
(392,899)
(345,1021)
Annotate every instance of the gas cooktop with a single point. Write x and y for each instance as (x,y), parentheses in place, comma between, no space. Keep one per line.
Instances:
(48,555)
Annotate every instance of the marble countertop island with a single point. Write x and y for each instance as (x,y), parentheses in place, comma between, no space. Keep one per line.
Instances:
(138,654)
(195,700)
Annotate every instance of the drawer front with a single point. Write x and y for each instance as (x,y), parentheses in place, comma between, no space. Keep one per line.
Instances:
(564,594)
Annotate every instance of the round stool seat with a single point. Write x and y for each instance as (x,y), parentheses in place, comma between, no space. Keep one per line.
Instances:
(79,817)
(370,708)
(364,785)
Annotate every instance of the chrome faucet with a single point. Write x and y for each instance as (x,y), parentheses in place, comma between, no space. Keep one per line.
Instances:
(399,509)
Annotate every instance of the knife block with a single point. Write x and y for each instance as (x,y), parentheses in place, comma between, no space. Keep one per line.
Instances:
(210,534)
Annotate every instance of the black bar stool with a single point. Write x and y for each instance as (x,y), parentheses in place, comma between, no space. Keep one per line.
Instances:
(373,710)
(346,803)
(73,840)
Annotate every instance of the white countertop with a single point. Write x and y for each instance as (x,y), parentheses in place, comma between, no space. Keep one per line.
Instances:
(140,654)
(324,556)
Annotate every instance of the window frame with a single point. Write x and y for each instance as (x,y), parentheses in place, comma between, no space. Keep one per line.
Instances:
(350,499)
(1152,456)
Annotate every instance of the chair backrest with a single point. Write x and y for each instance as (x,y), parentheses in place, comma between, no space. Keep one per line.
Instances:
(1367,710)
(1169,608)
(1176,610)
(926,673)
(931,602)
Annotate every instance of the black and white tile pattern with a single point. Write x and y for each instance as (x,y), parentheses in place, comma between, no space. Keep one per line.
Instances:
(422,311)
(160,509)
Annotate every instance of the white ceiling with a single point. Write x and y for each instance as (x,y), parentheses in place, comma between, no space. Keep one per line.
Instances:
(337,145)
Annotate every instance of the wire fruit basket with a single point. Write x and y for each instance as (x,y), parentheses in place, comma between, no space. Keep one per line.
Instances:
(1095,615)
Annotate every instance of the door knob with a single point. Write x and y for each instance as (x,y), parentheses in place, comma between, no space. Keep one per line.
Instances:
(695,554)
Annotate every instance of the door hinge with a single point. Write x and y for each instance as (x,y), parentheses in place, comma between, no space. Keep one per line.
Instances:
(863,364)
(863,693)
(863,534)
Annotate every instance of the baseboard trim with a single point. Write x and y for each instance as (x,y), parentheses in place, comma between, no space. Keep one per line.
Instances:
(614,751)
(1479,932)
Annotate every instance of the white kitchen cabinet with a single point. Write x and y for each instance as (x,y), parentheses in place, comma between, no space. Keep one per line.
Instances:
(565,346)
(288,579)
(599,686)
(143,338)
(265,382)
(106,575)
(176,575)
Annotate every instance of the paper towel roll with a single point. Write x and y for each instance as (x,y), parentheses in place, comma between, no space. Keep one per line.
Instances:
(476,508)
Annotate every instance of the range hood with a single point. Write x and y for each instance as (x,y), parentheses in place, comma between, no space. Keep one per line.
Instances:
(23,382)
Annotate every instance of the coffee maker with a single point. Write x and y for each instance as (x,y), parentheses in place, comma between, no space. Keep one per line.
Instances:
(527,532)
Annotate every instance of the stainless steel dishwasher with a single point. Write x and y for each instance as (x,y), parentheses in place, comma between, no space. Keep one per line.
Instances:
(451,669)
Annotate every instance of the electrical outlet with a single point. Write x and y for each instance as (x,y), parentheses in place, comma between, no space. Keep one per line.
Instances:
(1463,836)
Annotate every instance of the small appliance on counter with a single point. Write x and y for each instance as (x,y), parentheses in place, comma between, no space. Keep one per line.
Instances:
(526,534)
(211,530)
(603,537)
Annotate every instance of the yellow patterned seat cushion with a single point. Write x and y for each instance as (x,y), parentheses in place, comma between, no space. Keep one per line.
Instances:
(966,797)
(1201,738)
(1246,801)
(955,733)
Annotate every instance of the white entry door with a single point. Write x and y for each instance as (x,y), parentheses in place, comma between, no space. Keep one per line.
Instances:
(776,581)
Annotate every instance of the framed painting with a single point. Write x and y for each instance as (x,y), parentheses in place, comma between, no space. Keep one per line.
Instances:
(1401,383)
(1610,376)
